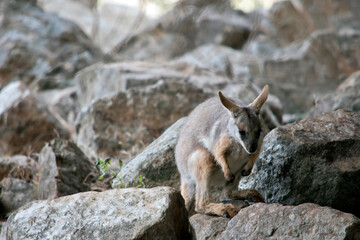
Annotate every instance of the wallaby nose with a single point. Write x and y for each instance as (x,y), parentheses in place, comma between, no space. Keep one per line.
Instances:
(245,173)
(253,148)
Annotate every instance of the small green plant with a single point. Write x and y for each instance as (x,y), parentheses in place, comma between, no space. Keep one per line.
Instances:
(105,169)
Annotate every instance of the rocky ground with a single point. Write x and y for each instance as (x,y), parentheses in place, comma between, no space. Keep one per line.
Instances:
(69,97)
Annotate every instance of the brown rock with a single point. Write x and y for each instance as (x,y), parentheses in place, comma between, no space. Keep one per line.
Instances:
(124,124)
(26,123)
(20,167)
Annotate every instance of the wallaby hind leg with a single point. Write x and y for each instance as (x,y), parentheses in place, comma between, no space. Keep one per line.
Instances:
(188,193)
(205,165)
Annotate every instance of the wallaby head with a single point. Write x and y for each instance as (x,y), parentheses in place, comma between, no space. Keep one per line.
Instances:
(245,125)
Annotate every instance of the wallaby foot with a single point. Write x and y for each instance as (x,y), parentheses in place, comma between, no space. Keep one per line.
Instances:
(219,209)
(250,195)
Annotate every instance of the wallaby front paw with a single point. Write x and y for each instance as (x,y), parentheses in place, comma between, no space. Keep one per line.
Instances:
(229,177)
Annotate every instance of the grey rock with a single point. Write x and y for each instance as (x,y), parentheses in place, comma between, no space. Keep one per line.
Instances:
(18,178)
(41,47)
(238,67)
(207,227)
(288,22)
(26,123)
(157,213)
(64,170)
(332,14)
(314,160)
(303,71)
(106,80)
(15,193)
(111,23)
(64,103)
(306,221)
(156,163)
(122,125)
(183,28)
(346,96)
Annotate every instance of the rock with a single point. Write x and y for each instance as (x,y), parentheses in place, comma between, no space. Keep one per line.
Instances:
(207,227)
(227,28)
(20,167)
(157,213)
(236,65)
(64,170)
(110,24)
(64,103)
(305,70)
(122,125)
(346,96)
(26,123)
(239,68)
(306,221)
(292,23)
(106,80)
(314,160)
(18,178)
(331,13)
(156,163)
(288,22)
(15,193)
(183,28)
(41,47)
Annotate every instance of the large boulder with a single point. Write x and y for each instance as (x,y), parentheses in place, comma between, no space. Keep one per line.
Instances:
(26,122)
(64,170)
(41,47)
(314,160)
(122,125)
(157,213)
(274,221)
(155,164)
(306,221)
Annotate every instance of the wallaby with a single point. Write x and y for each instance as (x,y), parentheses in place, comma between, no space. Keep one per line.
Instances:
(218,144)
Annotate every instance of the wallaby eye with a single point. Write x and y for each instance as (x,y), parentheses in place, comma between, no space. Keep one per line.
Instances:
(259,132)
(242,133)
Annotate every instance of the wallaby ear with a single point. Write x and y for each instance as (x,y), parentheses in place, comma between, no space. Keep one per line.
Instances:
(260,100)
(227,103)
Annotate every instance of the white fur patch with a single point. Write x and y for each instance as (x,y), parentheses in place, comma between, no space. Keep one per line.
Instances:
(208,141)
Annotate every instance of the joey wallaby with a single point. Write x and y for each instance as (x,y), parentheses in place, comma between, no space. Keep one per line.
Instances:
(218,144)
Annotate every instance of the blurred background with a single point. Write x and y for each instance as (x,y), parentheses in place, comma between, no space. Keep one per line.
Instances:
(104,79)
